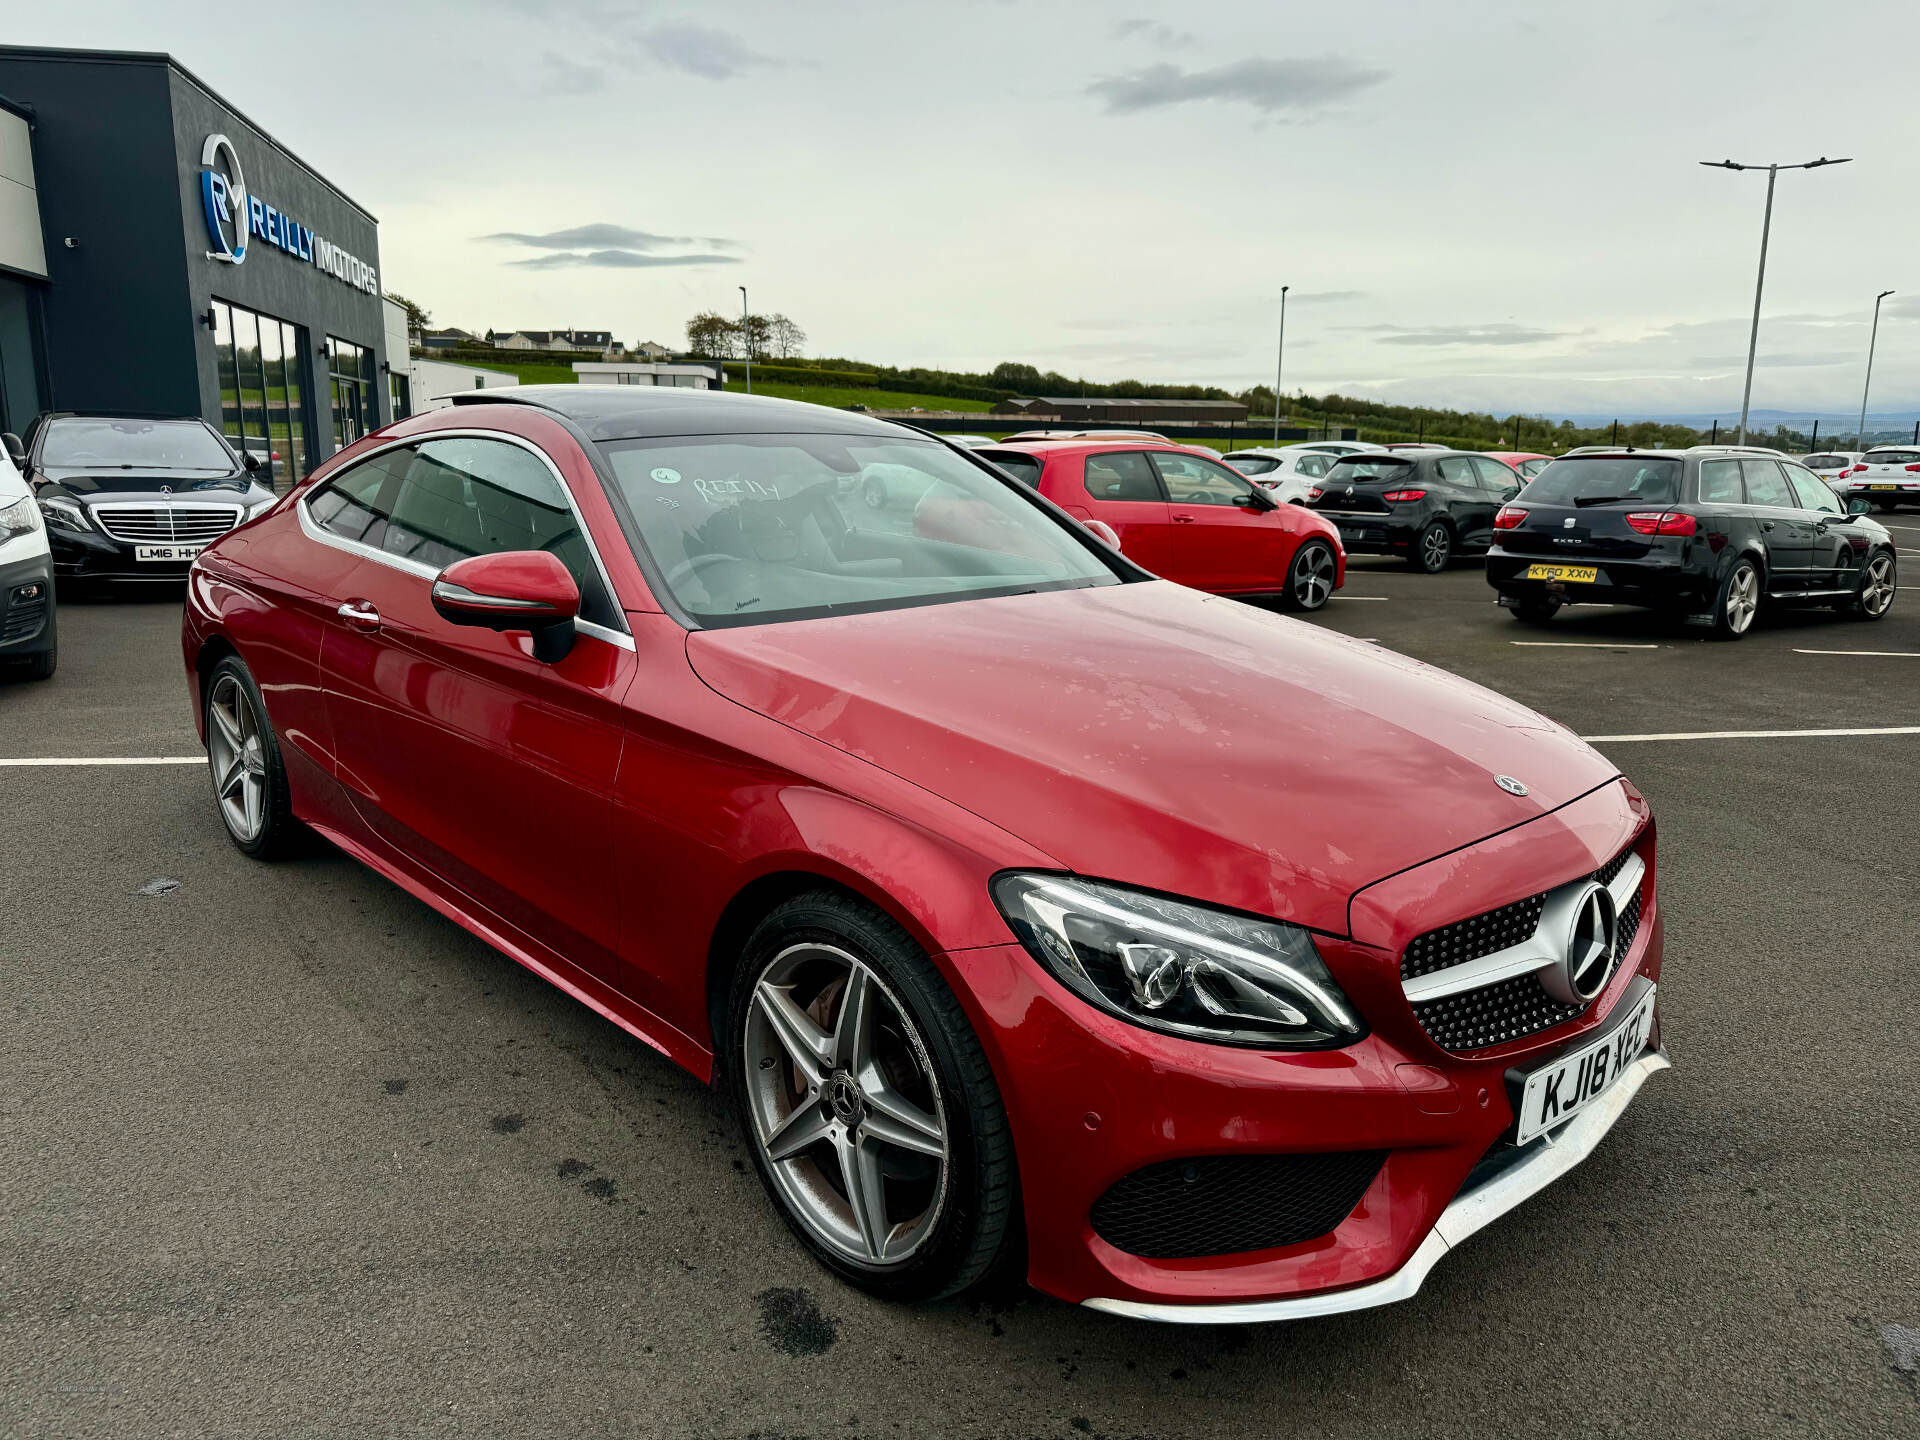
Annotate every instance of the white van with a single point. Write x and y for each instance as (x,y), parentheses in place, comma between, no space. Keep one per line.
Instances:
(28,639)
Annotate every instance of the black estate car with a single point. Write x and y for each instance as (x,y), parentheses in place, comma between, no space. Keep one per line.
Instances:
(135,497)
(1425,505)
(1713,532)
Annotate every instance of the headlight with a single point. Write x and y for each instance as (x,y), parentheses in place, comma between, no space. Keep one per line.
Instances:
(22,517)
(67,514)
(259,508)
(1184,969)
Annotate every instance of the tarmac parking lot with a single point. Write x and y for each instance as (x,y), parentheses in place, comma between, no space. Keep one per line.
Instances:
(287,1153)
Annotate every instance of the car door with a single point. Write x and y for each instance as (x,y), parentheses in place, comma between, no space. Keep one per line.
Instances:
(1785,529)
(1121,490)
(460,751)
(1469,506)
(1498,483)
(1832,560)
(1223,537)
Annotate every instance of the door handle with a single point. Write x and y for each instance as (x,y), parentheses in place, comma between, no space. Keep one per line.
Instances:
(360,615)
(1183,519)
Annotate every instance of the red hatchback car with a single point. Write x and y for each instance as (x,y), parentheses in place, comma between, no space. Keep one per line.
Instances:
(946,853)
(1183,515)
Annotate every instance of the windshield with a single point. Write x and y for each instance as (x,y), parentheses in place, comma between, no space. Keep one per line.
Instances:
(1600,479)
(750,528)
(1349,468)
(1827,462)
(134,444)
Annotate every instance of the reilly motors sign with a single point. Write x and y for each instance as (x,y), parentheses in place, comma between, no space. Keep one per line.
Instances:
(234,217)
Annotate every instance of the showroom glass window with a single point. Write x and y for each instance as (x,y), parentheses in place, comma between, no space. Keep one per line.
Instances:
(262,365)
(350,383)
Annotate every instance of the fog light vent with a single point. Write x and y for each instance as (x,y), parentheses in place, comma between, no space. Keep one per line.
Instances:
(1226,1204)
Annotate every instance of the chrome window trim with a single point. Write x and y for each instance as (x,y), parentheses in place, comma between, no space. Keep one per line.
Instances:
(314,530)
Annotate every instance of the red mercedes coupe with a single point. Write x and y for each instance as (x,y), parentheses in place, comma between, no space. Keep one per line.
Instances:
(944,838)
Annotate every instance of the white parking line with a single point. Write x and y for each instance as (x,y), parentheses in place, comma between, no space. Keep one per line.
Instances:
(1361,597)
(1580,645)
(1747,734)
(108,760)
(1890,526)
(1899,654)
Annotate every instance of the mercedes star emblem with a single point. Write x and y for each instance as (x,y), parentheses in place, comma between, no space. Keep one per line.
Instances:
(1587,958)
(1510,785)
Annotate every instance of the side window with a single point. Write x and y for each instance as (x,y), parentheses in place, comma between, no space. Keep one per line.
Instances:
(355,504)
(1193,481)
(467,496)
(1812,492)
(1313,466)
(1765,484)
(1495,478)
(1456,470)
(1024,468)
(1121,477)
(1720,483)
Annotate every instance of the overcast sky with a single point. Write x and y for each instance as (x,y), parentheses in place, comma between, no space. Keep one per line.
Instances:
(1487,204)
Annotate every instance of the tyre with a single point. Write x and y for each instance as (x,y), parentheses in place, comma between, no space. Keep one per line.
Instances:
(1879,583)
(874,492)
(243,758)
(1535,609)
(1885,507)
(1310,577)
(42,666)
(866,1100)
(1432,548)
(1738,602)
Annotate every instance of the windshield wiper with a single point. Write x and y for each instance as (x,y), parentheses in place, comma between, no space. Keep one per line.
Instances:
(1599,499)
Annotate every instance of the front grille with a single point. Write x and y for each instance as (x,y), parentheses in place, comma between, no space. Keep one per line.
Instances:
(1228,1204)
(168,525)
(23,617)
(1509,1009)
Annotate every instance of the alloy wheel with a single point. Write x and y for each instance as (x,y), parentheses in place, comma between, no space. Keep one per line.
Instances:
(1312,577)
(844,1104)
(1877,592)
(1743,599)
(236,754)
(1434,545)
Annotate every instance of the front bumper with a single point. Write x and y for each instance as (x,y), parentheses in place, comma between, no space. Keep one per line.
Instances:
(1490,1192)
(26,618)
(90,555)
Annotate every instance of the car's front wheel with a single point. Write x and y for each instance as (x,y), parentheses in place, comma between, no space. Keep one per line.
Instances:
(1310,577)
(1879,583)
(868,1104)
(243,757)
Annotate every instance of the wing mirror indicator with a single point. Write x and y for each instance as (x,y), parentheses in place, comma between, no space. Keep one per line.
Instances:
(515,590)
(1103,532)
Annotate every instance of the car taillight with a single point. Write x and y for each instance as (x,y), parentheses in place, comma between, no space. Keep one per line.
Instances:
(1509,517)
(1315,492)
(1914,468)
(1662,522)
(1421,494)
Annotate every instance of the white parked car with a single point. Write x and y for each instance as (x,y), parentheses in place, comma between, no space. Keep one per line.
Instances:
(1335,447)
(1285,474)
(28,640)
(1888,475)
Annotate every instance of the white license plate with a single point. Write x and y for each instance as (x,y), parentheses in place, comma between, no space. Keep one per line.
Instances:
(166,552)
(1553,1096)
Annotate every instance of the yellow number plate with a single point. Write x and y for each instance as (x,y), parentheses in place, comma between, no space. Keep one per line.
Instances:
(1585,574)
(1883,487)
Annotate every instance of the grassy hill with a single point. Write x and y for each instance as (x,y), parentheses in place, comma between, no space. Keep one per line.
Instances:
(535,372)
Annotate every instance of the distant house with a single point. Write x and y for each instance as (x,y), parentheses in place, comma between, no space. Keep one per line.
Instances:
(652,350)
(451,340)
(686,375)
(1083,408)
(597,341)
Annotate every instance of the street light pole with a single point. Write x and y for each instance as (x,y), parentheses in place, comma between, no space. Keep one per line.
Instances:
(746,336)
(1759,284)
(1280,364)
(1860,435)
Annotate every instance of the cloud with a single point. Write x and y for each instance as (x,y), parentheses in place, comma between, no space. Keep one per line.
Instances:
(1152,31)
(1764,360)
(701,50)
(1501,334)
(1273,87)
(562,76)
(1904,307)
(603,235)
(616,260)
(1325,297)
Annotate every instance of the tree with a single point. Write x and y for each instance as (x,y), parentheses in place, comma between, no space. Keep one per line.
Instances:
(712,335)
(785,340)
(1020,379)
(417,319)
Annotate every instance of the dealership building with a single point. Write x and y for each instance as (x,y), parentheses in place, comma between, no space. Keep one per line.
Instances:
(160,252)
